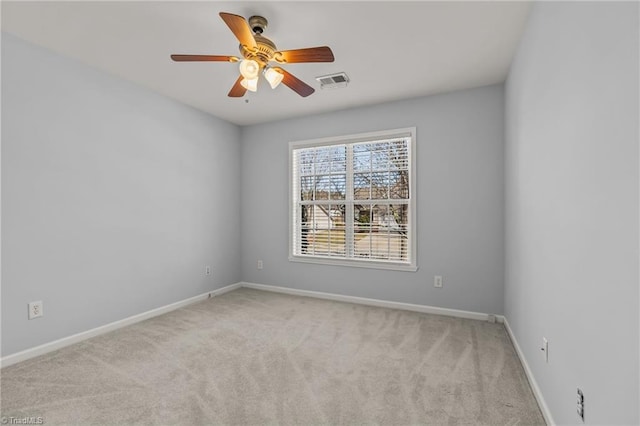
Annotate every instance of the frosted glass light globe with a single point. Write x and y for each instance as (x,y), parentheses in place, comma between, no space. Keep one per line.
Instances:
(249,69)
(250,84)
(273,77)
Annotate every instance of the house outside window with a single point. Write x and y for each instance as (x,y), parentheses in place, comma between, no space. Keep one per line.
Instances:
(352,200)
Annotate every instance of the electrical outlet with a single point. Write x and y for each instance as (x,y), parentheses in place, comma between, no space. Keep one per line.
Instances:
(35,309)
(207,270)
(545,349)
(437,281)
(259,264)
(581,405)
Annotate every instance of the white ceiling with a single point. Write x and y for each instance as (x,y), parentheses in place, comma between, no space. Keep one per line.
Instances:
(390,50)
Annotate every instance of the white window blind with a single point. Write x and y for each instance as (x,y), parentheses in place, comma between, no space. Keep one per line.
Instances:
(352,200)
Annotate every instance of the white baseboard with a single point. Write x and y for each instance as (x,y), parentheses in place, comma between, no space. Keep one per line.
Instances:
(66,341)
(532,381)
(373,302)
(75,338)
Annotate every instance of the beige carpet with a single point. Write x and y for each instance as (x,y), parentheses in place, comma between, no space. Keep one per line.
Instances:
(253,357)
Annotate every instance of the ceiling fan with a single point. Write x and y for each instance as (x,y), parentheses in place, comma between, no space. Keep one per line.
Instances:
(257,53)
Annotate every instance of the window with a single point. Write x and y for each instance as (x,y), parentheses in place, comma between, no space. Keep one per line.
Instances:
(353,200)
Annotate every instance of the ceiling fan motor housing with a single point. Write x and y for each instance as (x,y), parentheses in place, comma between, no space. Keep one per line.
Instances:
(263,53)
(266,49)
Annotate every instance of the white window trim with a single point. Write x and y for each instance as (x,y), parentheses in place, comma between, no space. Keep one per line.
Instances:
(361,137)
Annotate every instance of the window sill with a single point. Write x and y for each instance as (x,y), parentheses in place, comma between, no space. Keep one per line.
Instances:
(354,263)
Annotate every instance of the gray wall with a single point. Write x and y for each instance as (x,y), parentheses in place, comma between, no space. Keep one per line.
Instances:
(113,198)
(572,206)
(460,201)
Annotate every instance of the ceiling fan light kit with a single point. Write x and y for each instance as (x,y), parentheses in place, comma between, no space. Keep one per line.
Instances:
(258,51)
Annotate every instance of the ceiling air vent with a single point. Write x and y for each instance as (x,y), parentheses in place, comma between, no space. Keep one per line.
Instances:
(333,81)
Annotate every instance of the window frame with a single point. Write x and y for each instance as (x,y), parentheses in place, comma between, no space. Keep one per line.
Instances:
(411,265)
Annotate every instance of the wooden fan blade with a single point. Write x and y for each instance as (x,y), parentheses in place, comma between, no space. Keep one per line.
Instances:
(204,58)
(295,84)
(237,91)
(240,28)
(311,54)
